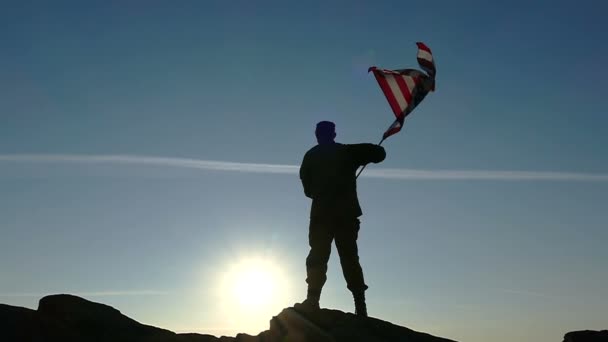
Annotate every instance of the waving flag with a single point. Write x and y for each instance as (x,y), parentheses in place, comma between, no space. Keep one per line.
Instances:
(406,88)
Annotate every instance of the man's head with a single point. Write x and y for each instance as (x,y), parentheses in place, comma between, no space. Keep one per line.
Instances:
(325,132)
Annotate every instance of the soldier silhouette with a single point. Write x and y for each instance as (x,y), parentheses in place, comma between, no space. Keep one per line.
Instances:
(328,176)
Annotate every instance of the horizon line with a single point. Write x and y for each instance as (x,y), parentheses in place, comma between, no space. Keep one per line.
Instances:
(383,173)
(86,293)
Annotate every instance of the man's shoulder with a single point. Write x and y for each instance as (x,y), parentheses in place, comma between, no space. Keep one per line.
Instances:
(363,146)
(310,152)
(358,145)
(322,148)
(312,149)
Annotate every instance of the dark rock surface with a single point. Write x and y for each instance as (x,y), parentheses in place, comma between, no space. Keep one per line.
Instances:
(586,336)
(71,318)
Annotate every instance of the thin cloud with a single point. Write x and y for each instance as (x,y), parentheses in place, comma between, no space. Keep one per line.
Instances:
(88,294)
(373,172)
(527,293)
(486,175)
(211,165)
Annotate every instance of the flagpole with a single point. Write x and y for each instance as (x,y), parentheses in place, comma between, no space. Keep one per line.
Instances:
(363,168)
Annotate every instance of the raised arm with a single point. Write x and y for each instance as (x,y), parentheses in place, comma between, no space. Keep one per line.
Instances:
(367,153)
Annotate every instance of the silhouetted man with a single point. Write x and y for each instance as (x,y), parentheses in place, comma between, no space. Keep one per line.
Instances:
(328,176)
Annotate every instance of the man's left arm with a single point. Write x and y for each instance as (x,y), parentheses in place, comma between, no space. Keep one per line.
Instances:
(367,153)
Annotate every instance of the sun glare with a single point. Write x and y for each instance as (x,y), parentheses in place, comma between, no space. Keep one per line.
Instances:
(254,285)
(253,290)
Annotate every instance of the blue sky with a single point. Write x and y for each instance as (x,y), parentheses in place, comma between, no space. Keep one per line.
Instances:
(520,88)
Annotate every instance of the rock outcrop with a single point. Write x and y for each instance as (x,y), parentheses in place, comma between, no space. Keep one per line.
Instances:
(586,336)
(71,318)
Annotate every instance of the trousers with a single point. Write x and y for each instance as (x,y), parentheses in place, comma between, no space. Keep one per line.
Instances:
(345,231)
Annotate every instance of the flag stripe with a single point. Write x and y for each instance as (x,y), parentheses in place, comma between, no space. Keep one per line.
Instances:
(425,59)
(395,127)
(425,55)
(427,66)
(423,46)
(392,82)
(387,92)
(411,83)
(405,89)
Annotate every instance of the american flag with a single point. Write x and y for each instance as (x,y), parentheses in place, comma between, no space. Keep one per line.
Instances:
(406,88)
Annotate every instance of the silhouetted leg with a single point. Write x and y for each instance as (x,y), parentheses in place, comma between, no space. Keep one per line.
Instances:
(347,232)
(320,237)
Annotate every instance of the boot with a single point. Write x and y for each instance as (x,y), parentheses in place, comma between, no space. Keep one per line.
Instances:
(360,307)
(312,299)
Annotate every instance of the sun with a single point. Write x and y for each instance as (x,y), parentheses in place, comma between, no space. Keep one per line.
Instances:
(254,285)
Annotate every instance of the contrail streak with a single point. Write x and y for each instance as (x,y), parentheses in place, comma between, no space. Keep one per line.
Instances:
(153,161)
(384,173)
(527,293)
